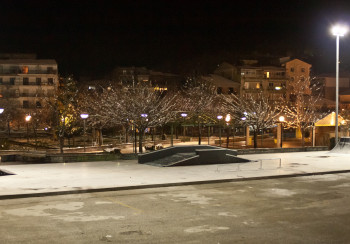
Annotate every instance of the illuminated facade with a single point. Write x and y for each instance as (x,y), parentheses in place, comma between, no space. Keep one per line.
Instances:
(274,81)
(26,82)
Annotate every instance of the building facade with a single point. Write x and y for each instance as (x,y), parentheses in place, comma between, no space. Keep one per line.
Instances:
(273,80)
(24,83)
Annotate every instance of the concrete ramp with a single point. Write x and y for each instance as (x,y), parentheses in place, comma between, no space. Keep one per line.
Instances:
(190,155)
(343,146)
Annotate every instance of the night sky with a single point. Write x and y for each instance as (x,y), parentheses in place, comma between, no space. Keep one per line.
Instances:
(92,37)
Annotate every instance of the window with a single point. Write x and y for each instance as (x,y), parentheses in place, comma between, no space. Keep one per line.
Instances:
(50,70)
(12,81)
(270,84)
(25,70)
(219,90)
(25,81)
(291,69)
(267,75)
(302,69)
(38,104)
(25,104)
(38,81)
(0,80)
(230,90)
(50,81)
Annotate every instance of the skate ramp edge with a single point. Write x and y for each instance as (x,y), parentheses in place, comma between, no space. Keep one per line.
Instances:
(195,155)
(343,146)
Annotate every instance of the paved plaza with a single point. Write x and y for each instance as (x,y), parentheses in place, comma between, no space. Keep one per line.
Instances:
(62,178)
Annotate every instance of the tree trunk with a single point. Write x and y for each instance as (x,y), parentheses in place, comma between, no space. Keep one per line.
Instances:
(126,133)
(227,136)
(100,141)
(140,141)
(199,133)
(255,133)
(8,128)
(36,138)
(61,144)
(302,137)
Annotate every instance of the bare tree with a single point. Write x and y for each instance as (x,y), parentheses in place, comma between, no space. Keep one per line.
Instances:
(144,107)
(102,105)
(303,109)
(200,99)
(63,107)
(258,112)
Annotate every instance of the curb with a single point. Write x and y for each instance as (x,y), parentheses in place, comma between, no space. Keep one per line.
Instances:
(139,187)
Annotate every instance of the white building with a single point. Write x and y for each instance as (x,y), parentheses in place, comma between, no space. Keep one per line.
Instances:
(26,82)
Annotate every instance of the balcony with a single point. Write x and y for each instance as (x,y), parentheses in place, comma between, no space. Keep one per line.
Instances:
(30,72)
(25,94)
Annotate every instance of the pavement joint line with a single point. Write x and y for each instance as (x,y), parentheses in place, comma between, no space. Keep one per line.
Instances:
(140,187)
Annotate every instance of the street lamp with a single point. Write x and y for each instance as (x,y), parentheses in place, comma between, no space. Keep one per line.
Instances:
(281,119)
(28,118)
(84,117)
(337,31)
(219,117)
(228,119)
(1,110)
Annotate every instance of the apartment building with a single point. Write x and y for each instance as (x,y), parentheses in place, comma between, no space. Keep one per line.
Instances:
(274,79)
(133,75)
(25,81)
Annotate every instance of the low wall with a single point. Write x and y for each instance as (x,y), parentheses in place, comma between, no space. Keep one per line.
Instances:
(67,157)
(281,150)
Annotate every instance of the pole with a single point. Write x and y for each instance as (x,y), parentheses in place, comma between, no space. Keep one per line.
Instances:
(220,134)
(281,134)
(84,137)
(172,132)
(337,91)
(27,133)
(208,135)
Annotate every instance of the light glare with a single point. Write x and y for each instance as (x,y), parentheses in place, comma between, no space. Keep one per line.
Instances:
(84,116)
(339,30)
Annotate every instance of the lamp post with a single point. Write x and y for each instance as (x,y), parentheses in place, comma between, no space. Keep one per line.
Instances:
(281,119)
(219,117)
(28,118)
(227,119)
(84,117)
(183,115)
(337,31)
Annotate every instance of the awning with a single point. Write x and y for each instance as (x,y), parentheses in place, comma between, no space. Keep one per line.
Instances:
(329,120)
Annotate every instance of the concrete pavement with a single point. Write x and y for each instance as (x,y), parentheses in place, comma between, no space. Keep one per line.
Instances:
(32,180)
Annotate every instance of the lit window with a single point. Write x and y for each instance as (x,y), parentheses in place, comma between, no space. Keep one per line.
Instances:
(25,69)
(267,75)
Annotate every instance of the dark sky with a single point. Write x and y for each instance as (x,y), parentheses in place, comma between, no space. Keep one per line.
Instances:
(91,37)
